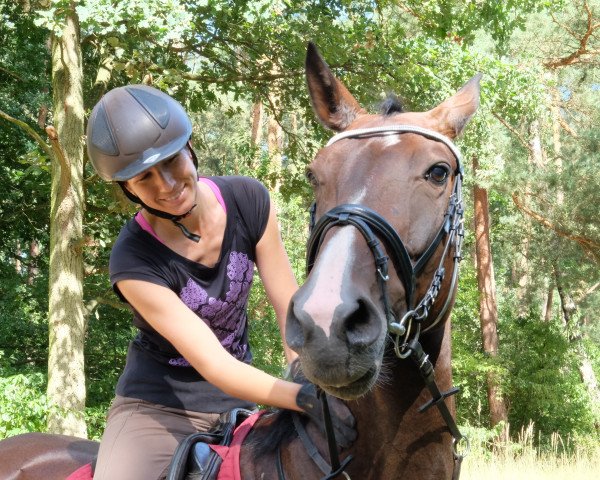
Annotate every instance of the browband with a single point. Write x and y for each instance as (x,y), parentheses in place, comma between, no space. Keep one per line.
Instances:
(431,134)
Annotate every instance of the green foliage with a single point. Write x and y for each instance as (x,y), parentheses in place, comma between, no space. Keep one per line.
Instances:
(265,338)
(543,383)
(460,20)
(23,405)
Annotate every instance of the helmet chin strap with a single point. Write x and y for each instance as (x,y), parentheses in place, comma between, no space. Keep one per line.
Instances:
(168,216)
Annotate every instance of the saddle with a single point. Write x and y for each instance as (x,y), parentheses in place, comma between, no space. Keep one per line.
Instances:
(197,457)
(200,455)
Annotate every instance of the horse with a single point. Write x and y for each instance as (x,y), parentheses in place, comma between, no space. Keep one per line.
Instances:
(371,321)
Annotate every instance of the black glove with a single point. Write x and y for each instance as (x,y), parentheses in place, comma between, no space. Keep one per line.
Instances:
(341,417)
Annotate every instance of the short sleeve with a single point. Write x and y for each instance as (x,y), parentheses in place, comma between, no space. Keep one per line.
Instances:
(134,257)
(254,204)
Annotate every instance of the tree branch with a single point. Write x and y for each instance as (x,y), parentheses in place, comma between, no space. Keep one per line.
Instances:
(235,78)
(589,291)
(30,131)
(65,169)
(589,245)
(94,303)
(567,128)
(583,49)
(514,131)
(12,74)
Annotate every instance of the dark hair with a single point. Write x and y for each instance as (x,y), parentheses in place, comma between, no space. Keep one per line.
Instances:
(391,105)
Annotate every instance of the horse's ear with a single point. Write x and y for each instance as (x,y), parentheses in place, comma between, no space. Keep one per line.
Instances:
(335,107)
(455,112)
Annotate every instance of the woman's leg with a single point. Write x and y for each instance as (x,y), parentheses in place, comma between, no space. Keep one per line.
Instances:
(140,439)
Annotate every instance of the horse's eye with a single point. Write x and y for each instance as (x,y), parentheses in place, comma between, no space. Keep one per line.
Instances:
(312,179)
(438,174)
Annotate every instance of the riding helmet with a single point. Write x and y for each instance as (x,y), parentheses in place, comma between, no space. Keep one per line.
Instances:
(133,128)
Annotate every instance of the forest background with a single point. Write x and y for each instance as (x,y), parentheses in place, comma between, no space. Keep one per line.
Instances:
(526,331)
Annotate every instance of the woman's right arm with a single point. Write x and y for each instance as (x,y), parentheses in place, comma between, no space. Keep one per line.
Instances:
(193,339)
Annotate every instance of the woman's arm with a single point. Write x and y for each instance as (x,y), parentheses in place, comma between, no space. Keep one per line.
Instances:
(194,339)
(276,274)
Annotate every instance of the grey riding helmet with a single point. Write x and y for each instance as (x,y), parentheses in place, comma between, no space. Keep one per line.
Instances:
(133,128)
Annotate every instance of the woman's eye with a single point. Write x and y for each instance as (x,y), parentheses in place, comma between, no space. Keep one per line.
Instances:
(438,174)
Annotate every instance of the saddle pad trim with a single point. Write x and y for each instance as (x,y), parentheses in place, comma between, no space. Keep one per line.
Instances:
(82,473)
(230,468)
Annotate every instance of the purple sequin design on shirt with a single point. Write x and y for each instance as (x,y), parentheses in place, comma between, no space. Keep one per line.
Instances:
(227,318)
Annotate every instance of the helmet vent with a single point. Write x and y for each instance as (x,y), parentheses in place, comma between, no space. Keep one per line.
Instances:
(102,137)
(153,104)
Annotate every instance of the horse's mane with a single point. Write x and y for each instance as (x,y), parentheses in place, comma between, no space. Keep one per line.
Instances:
(391,105)
(266,440)
(277,423)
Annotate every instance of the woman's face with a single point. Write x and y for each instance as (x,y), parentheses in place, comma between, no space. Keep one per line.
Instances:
(169,186)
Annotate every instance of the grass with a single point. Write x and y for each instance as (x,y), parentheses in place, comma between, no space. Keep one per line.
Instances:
(523,460)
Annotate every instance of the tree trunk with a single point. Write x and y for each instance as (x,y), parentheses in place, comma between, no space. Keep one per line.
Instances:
(103,76)
(257,130)
(488,311)
(32,269)
(588,377)
(522,276)
(523,279)
(556,141)
(547,307)
(274,147)
(66,379)
(18,263)
(257,115)
(567,304)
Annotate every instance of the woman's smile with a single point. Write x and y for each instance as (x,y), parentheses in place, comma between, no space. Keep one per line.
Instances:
(174,197)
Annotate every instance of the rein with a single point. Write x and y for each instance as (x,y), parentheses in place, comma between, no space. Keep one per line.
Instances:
(373,227)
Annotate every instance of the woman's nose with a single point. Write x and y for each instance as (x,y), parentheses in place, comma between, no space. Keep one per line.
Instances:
(165,178)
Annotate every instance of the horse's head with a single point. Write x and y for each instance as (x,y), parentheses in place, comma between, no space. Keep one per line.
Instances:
(397,187)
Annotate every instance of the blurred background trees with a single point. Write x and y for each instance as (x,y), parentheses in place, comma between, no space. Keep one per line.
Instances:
(238,68)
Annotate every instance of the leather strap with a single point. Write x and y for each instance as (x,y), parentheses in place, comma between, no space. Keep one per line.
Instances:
(316,457)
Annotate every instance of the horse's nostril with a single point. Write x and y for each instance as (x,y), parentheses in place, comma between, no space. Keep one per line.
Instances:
(294,333)
(361,327)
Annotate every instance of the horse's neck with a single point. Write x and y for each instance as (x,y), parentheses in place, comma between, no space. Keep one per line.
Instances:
(393,436)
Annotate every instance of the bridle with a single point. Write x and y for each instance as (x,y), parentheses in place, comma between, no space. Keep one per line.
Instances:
(374,228)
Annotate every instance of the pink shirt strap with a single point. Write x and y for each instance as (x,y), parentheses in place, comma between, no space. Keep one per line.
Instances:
(143,223)
(215,189)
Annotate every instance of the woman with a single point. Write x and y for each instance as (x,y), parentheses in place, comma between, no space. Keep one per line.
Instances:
(184,264)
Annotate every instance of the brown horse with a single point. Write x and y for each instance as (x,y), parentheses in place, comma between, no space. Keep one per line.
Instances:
(386,186)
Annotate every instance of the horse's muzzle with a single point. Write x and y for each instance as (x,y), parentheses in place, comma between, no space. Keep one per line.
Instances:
(340,344)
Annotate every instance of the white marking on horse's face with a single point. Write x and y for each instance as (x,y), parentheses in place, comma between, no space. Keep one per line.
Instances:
(390,140)
(335,261)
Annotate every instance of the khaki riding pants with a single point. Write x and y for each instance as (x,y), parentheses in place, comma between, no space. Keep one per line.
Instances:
(140,438)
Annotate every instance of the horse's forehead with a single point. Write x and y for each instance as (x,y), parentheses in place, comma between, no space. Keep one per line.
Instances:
(392,145)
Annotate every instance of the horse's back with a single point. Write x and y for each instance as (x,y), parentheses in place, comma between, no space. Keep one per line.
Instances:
(33,456)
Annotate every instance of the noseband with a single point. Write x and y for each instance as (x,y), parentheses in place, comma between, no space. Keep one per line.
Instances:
(374,227)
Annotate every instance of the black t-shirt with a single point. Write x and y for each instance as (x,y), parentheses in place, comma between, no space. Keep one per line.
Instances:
(154,370)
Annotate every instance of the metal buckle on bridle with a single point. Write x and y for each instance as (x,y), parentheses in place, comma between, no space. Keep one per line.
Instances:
(384,276)
(402,329)
(465,451)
